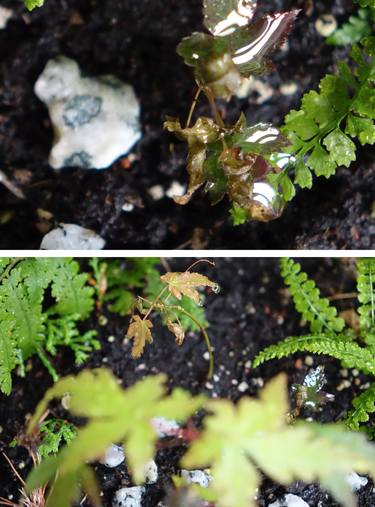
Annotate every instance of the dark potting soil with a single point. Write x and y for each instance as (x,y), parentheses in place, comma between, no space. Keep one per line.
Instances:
(136,41)
(252,311)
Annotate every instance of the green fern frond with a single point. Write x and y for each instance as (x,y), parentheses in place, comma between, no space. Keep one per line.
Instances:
(366,297)
(8,358)
(364,405)
(340,347)
(70,290)
(306,296)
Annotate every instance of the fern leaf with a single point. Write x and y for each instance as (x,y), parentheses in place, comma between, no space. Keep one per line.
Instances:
(8,357)
(71,291)
(366,297)
(314,309)
(364,404)
(320,131)
(23,310)
(340,347)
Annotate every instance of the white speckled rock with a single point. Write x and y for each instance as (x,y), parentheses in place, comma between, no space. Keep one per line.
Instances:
(355,481)
(5,15)
(289,500)
(164,427)
(95,120)
(151,472)
(128,497)
(196,477)
(113,456)
(72,237)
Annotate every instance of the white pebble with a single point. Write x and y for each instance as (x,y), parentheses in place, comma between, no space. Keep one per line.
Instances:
(95,120)
(289,500)
(151,472)
(5,15)
(127,207)
(251,85)
(164,427)
(156,192)
(72,237)
(289,88)
(326,24)
(128,497)
(175,190)
(196,477)
(113,456)
(244,386)
(355,481)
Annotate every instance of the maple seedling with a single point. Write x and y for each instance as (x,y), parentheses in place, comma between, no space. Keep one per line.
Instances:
(259,166)
(174,287)
(236,160)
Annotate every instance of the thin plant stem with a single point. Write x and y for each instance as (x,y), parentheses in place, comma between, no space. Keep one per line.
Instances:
(215,111)
(193,106)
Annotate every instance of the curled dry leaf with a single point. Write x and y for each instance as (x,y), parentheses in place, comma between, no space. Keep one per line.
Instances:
(177,330)
(185,284)
(139,331)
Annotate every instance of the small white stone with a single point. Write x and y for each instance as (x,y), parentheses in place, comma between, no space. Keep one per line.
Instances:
(164,427)
(72,237)
(127,207)
(251,85)
(326,24)
(175,190)
(289,88)
(309,360)
(5,15)
(113,456)
(156,192)
(206,356)
(244,386)
(196,477)
(95,120)
(289,500)
(129,497)
(151,472)
(355,481)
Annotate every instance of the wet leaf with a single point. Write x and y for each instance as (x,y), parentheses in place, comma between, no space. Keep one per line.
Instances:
(139,331)
(260,139)
(177,330)
(186,284)
(222,17)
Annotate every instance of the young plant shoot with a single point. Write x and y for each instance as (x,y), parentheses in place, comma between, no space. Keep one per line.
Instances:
(258,166)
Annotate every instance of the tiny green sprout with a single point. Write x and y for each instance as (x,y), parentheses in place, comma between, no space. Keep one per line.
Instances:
(234,160)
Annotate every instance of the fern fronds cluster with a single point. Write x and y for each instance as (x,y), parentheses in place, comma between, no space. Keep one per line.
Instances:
(328,335)
(322,131)
(32,324)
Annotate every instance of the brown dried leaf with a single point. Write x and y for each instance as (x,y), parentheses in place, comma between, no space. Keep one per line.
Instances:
(177,330)
(139,331)
(185,284)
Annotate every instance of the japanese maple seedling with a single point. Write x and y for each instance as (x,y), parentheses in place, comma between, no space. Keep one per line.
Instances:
(233,159)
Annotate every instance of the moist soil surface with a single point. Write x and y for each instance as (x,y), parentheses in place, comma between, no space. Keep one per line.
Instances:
(136,40)
(252,311)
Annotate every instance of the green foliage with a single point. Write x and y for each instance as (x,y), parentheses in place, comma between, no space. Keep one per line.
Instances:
(113,415)
(31,4)
(54,433)
(366,298)
(239,215)
(32,321)
(238,440)
(117,280)
(328,334)
(306,296)
(320,132)
(357,27)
